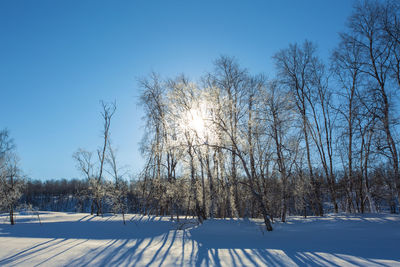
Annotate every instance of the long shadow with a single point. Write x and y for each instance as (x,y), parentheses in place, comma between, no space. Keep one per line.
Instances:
(184,240)
(62,252)
(141,252)
(313,258)
(96,253)
(202,256)
(127,256)
(84,217)
(169,248)
(215,256)
(231,252)
(249,257)
(164,241)
(28,256)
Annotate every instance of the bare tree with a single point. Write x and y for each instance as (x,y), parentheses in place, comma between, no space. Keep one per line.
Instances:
(108,110)
(323,118)
(279,116)
(346,65)
(366,126)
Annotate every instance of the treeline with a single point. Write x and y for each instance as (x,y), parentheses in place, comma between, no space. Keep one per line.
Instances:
(71,195)
(56,195)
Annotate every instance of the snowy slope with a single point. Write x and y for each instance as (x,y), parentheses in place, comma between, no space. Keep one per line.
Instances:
(85,240)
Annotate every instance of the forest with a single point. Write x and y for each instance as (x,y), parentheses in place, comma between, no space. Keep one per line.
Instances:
(317,136)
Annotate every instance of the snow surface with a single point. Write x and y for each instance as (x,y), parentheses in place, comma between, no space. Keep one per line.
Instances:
(84,240)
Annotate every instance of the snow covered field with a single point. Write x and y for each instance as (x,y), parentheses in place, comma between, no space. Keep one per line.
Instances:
(84,240)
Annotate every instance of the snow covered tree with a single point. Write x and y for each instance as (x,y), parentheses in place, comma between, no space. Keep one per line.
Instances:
(11,179)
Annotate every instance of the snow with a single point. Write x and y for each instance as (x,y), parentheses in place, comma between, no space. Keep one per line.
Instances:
(85,240)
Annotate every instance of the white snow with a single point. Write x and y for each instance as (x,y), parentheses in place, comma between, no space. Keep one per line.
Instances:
(84,240)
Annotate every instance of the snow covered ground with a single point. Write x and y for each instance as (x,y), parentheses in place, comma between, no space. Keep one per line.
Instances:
(84,240)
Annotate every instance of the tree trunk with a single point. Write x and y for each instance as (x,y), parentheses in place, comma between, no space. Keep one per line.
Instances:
(12,222)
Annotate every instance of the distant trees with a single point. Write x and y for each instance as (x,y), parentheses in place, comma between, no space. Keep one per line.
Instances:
(57,195)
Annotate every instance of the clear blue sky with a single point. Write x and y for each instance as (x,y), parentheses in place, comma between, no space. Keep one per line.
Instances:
(59,58)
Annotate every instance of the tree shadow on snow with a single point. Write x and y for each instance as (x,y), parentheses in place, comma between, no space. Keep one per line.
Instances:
(115,239)
(293,244)
(237,242)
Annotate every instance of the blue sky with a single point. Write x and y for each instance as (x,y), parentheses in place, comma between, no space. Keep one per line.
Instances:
(58,59)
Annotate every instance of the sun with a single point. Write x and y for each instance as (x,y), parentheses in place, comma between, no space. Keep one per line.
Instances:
(196,122)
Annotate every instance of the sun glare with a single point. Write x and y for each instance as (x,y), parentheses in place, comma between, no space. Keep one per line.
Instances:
(196,122)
